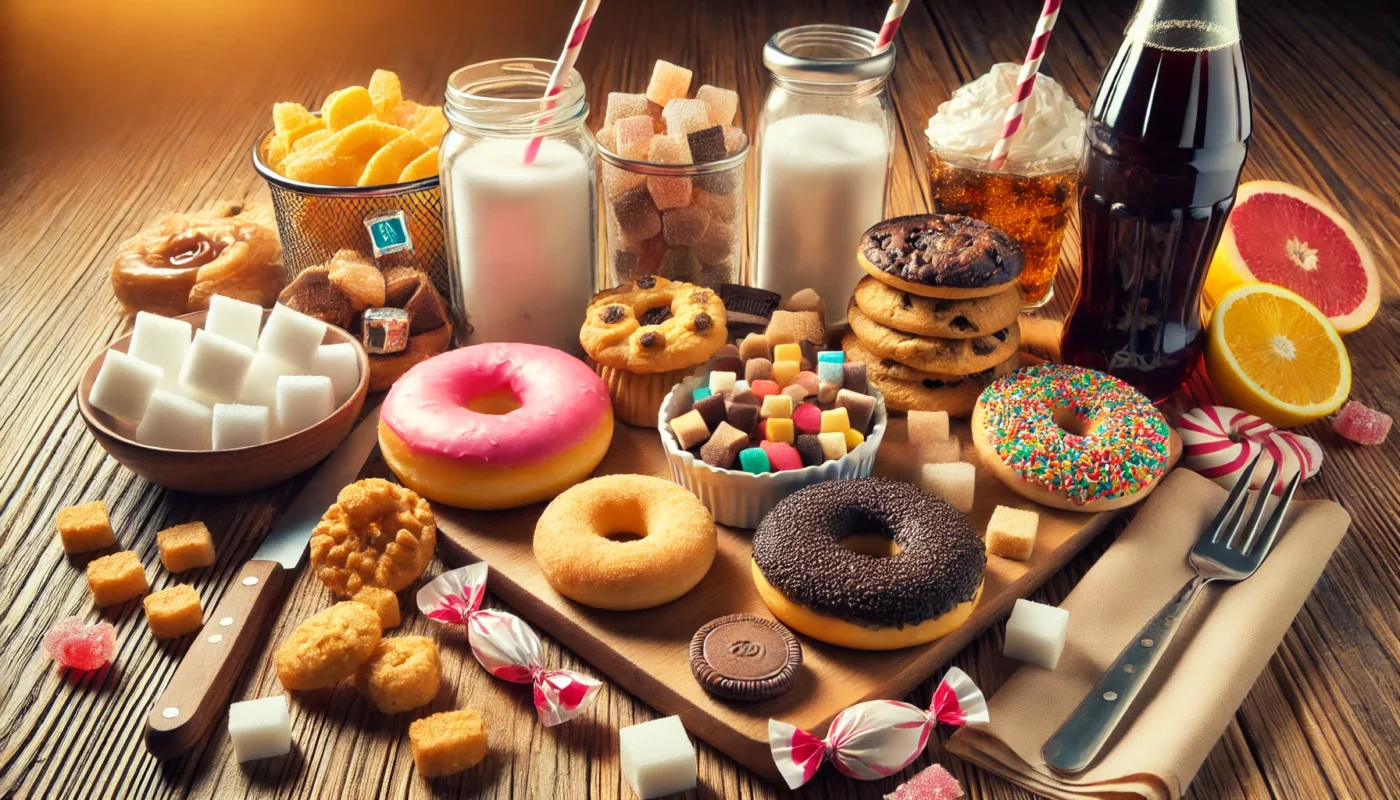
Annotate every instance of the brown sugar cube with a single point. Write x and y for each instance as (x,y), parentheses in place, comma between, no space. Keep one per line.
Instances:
(725,444)
(854,377)
(859,407)
(448,742)
(796,326)
(85,528)
(186,547)
(727,360)
(758,369)
(807,300)
(711,410)
(173,612)
(743,416)
(384,602)
(1011,533)
(755,345)
(690,429)
(116,578)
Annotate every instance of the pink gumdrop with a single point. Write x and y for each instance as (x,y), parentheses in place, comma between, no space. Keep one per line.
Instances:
(80,646)
(807,418)
(1361,424)
(934,783)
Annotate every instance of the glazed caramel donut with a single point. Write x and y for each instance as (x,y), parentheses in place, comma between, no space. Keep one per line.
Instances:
(576,555)
(824,564)
(180,261)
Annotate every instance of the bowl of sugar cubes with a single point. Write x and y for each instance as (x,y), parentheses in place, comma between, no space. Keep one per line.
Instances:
(224,401)
(673,181)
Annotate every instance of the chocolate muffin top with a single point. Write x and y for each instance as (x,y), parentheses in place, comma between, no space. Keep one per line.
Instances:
(943,250)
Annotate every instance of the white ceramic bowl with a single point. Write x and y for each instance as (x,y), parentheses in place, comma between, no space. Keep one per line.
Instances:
(741,499)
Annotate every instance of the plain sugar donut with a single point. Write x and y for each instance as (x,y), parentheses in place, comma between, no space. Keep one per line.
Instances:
(676,546)
(495,425)
(1072,438)
(816,577)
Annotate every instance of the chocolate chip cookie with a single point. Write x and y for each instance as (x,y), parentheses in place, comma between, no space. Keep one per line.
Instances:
(941,255)
(937,316)
(931,354)
(908,389)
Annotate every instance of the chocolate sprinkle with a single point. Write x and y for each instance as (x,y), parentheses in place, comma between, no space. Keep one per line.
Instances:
(943,250)
(744,657)
(612,314)
(703,322)
(798,548)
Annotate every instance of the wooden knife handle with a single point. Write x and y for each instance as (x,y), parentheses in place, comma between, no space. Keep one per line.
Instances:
(200,688)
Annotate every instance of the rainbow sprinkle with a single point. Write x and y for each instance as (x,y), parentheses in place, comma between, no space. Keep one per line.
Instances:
(1123,450)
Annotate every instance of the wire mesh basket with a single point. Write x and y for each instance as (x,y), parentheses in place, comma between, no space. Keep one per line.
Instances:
(315,221)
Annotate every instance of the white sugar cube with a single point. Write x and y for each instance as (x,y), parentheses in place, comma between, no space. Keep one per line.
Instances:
(291,336)
(657,757)
(215,367)
(260,384)
(124,385)
(175,422)
(339,363)
(721,382)
(928,426)
(303,401)
(240,426)
(260,728)
(234,319)
(1035,633)
(161,341)
(953,482)
(943,451)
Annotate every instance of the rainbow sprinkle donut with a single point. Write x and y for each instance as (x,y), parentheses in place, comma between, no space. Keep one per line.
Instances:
(1071,438)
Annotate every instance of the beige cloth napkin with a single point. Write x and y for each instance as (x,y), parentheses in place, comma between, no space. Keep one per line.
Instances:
(1222,646)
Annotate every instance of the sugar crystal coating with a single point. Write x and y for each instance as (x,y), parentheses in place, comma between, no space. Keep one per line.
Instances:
(720,104)
(706,144)
(933,783)
(634,212)
(684,116)
(77,645)
(634,135)
(668,82)
(684,227)
(621,105)
(1011,532)
(124,385)
(116,578)
(173,612)
(85,528)
(719,243)
(679,264)
(1361,424)
(185,547)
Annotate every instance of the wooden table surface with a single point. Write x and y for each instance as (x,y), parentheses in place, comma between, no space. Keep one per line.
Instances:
(115,112)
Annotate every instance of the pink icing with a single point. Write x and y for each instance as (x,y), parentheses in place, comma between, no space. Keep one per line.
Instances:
(562,402)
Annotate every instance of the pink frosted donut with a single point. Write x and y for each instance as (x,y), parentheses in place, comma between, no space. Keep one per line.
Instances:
(1219,442)
(495,425)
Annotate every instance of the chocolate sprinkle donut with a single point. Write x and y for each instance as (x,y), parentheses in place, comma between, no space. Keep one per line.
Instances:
(943,250)
(798,548)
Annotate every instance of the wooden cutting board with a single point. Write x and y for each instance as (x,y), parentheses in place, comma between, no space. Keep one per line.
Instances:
(646,652)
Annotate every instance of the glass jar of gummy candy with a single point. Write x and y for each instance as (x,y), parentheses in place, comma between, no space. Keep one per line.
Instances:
(522,236)
(682,221)
(825,138)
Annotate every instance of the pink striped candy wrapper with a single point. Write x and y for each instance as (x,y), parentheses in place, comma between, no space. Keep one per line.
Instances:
(505,645)
(877,738)
(1219,442)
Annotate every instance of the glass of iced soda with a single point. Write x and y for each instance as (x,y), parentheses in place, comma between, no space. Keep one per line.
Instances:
(1032,195)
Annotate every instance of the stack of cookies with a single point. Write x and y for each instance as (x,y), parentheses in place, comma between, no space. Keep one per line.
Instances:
(936,320)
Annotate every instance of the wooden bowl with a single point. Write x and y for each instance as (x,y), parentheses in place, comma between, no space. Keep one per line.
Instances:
(232,471)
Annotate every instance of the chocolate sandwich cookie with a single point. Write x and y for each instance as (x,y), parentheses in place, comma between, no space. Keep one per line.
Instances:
(744,657)
(932,354)
(908,389)
(941,255)
(748,308)
(937,316)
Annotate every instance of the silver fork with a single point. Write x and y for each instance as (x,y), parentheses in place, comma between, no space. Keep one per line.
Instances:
(1221,554)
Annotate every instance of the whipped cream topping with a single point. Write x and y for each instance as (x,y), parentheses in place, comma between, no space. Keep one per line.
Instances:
(966,127)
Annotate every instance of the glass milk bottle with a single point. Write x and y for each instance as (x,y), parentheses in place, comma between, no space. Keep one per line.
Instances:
(521,237)
(825,137)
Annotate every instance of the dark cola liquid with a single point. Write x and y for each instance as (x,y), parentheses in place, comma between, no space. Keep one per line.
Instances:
(1166,141)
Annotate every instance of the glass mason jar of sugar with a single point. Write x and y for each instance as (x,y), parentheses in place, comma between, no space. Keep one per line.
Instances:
(522,237)
(824,141)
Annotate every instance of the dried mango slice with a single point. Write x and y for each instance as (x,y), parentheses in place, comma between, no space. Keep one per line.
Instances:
(424,166)
(295,135)
(386,165)
(289,116)
(346,107)
(406,114)
(340,159)
(386,93)
(432,124)
(276,152)
(310,140)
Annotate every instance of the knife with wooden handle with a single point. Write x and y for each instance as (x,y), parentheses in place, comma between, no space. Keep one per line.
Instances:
(200,688)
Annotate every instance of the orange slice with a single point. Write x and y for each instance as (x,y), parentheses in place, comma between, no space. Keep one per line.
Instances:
(1272,353)
(1278,233)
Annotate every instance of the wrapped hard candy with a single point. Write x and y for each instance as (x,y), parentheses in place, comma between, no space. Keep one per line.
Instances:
(385,330)
(1219,443)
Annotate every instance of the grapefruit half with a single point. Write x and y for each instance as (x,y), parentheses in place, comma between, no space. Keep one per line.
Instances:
(1278,233)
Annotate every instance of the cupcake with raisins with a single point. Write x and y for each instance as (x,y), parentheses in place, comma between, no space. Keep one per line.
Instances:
(645,336)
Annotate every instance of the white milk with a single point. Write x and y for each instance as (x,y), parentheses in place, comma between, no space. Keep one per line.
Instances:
(524,241)
(821,186)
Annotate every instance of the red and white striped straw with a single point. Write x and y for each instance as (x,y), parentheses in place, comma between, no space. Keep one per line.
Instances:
(887,31)
(562,68)
(1015,112)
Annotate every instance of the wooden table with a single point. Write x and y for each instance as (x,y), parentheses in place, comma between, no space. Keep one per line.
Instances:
(115,113)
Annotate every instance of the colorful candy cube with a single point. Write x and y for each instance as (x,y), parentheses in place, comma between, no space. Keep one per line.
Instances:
(755,345)
(776,405)
(725,444)
(762,389)
(807,418)
(831,357)
(758,369)
(833,445)
(754,460)
(859,407)
(690,429)
(711,410)
(779,430)
(809,448)
(790,351)
(836,420)
(784,372)
(700,393)
(853,438)
(928,426)
(781,455)
(854,377)
(85,528)
(721,382)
